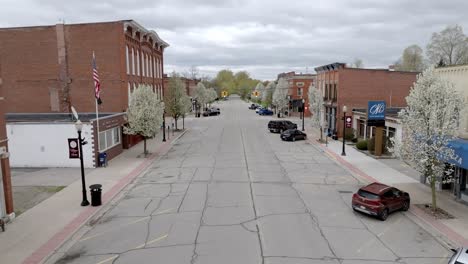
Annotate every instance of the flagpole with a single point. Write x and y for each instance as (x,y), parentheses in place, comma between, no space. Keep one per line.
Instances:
(97,124)
(97,108)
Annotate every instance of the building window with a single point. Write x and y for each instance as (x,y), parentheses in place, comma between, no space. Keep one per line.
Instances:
(300,84)
(299,91)
(335,95)
(151,66)
(138,62)
(157,68)
(127,60)
(109,138)
(133,62)
(129,92)
(154,68)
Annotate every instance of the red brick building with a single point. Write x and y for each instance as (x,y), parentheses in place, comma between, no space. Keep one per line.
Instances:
(190,84)
(6,193)
(298,89)
(354,87)
(48,69)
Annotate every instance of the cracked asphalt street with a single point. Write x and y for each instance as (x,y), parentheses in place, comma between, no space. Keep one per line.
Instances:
(229,191)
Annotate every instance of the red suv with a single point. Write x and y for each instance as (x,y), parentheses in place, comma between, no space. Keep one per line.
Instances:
(379,200)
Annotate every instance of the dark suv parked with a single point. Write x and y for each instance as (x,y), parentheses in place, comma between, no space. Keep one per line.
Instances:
(279,126)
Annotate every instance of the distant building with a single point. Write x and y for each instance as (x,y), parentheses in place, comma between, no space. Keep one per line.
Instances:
(190,84)
(458,75)
(354,87)
(299,84)
(48,69)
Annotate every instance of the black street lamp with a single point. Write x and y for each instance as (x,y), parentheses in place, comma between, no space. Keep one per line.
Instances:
(303,101)
(79,127)
(164,126)
(343,153)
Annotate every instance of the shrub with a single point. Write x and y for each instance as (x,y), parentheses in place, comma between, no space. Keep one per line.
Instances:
(362,145)
(349,134)
(371,145)
(354,140)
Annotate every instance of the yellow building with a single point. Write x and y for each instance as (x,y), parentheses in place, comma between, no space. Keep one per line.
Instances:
(458,75)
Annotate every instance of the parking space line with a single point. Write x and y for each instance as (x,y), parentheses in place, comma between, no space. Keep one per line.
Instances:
(152,241)
(107,260)
(127,224)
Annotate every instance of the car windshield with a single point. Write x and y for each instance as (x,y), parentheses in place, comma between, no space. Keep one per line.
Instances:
(368,195)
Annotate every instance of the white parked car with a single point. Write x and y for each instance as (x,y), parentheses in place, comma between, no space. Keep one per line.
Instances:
(460,256)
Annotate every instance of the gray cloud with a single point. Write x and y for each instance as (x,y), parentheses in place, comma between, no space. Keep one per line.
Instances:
(264,37)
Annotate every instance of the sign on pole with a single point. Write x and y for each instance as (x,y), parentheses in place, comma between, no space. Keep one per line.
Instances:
(376,113)
(73,152)
(349,122)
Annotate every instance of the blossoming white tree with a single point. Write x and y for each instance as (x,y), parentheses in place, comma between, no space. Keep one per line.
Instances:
(429,123)
(268,93)
(201,95)
(280,96)
(316,106)
(260,88)
(144,114)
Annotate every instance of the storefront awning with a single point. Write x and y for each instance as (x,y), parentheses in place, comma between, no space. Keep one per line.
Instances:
(461,149)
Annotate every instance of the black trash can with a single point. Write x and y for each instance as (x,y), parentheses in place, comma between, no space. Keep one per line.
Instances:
(96,193)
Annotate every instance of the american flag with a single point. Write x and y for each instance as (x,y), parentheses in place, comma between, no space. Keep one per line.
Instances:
(97,83)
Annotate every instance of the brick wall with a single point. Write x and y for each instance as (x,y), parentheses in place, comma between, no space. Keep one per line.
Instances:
(30,72)
(358,86)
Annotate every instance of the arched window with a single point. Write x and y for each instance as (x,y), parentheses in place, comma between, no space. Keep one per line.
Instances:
(126,59)
(129,92)
(154,68)
(144,64)
(133,62)
(147,66)
(157,68)
(138,62)
(150,61)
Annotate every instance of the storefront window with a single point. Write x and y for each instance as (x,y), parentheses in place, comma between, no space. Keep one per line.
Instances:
(109,138)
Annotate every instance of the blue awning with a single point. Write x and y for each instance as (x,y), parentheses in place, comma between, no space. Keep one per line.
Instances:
(461,149)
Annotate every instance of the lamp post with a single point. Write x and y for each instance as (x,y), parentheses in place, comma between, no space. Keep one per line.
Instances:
(79,127)
(303,101)
(164,126)
(343,153)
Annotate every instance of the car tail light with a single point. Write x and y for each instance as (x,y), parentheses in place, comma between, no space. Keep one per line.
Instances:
(373,202)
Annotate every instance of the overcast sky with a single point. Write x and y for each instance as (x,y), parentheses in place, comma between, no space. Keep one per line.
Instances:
(263,37)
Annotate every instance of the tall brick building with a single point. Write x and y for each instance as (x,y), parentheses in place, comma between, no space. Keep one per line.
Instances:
(48,68)
(354,87)
(298,89)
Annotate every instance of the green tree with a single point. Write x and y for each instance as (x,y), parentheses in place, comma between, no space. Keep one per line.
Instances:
(174,98)
(411,60)
(450,45)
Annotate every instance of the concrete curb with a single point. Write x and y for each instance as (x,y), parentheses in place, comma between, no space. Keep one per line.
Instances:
(433,223)
(48,248)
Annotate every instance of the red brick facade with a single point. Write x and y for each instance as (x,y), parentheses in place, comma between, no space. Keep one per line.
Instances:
(354,87)
(190,84)
(298,89)
(49,67)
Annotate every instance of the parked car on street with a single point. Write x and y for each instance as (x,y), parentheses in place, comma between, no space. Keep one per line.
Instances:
(279,126)
(253,106)
(265,111)
(212,112)
(258,109)
(378,199)
(293,135)
(460,256)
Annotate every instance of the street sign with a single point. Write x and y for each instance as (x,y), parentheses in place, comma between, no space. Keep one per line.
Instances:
(376,113)
(73,152)
(349,122)
(256,93)
(224,93)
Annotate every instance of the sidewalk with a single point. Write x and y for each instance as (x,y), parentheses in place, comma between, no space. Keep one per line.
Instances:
(454,232)
(34,235)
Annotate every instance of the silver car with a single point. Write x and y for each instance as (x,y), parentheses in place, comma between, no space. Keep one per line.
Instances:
(460,256)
